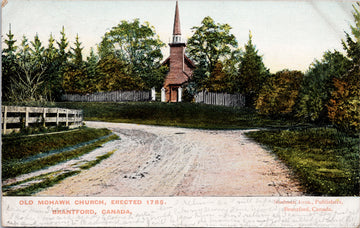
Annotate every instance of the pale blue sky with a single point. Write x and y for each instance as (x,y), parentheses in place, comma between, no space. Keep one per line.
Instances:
(289,34)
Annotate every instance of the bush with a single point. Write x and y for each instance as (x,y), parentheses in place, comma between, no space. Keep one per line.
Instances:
(279,94)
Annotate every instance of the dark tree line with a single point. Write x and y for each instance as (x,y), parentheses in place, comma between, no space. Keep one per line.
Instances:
(128,58)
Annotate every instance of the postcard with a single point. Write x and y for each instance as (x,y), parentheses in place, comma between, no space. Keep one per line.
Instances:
(180,113)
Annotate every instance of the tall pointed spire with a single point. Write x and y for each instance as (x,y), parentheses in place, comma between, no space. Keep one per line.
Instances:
(177,31)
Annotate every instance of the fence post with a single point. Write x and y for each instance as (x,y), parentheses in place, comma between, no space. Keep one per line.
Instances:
(44,117)
(4,119)
(57,117)
(26,116)
(67,117)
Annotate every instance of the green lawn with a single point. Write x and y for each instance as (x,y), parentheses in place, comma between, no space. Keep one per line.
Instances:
(177,114)
(325,160)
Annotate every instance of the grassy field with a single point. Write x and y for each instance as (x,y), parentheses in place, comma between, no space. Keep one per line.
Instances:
(177,114)
(325,160)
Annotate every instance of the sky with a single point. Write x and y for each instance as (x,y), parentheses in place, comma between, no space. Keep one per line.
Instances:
(289,34)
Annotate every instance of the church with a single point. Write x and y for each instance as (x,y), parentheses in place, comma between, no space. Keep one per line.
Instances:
(180,66)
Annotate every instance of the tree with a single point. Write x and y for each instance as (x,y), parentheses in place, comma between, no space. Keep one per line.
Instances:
(137,46)
(8,64)
(219,81)
(318,86)
(75,78)
(279,93)
(26,86)
(92,72)
(61,61)
(114,76)
(210,44)
(76,53)
(252,73)
(51,60)
(344,105)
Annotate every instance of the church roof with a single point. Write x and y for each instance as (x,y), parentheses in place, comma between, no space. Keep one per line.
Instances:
(187,61)
(176,30)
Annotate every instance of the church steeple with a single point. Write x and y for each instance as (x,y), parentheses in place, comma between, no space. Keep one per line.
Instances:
(177,31)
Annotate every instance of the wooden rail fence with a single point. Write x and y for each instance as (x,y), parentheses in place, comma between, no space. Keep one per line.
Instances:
(225,99)
(114,96)
(15,117)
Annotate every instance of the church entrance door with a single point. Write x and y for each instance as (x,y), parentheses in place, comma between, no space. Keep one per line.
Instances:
(173,94)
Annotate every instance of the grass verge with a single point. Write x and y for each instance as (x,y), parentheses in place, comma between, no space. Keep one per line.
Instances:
(14,147)
(34,188)
(98,159)
(325,160)
(13,169)
(190,115)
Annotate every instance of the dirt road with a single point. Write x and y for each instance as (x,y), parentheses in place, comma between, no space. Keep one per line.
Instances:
(166,161)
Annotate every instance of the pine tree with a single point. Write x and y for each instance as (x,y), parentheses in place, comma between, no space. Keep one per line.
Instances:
(8,64)
(52,61)
(252,73)
(92,72)
(60,62)
(76,53)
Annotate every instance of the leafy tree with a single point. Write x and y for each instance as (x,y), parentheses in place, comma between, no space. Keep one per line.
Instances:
(252,73)
(210,44)
(8,64)
(318,86)
(344,106)
(137,46)
(219,81)
(114,76)
(279,93)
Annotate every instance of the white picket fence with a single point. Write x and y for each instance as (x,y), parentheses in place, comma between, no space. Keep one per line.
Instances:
(14,116)
(114,96)
(224,99)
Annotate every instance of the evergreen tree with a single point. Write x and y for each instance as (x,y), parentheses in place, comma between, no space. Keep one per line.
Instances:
(8,64)
(75,78)
(51,74)
(252,73)
(61,62)
(76,53)
(92,72)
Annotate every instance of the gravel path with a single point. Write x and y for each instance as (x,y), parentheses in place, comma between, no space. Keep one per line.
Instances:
(166,161)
